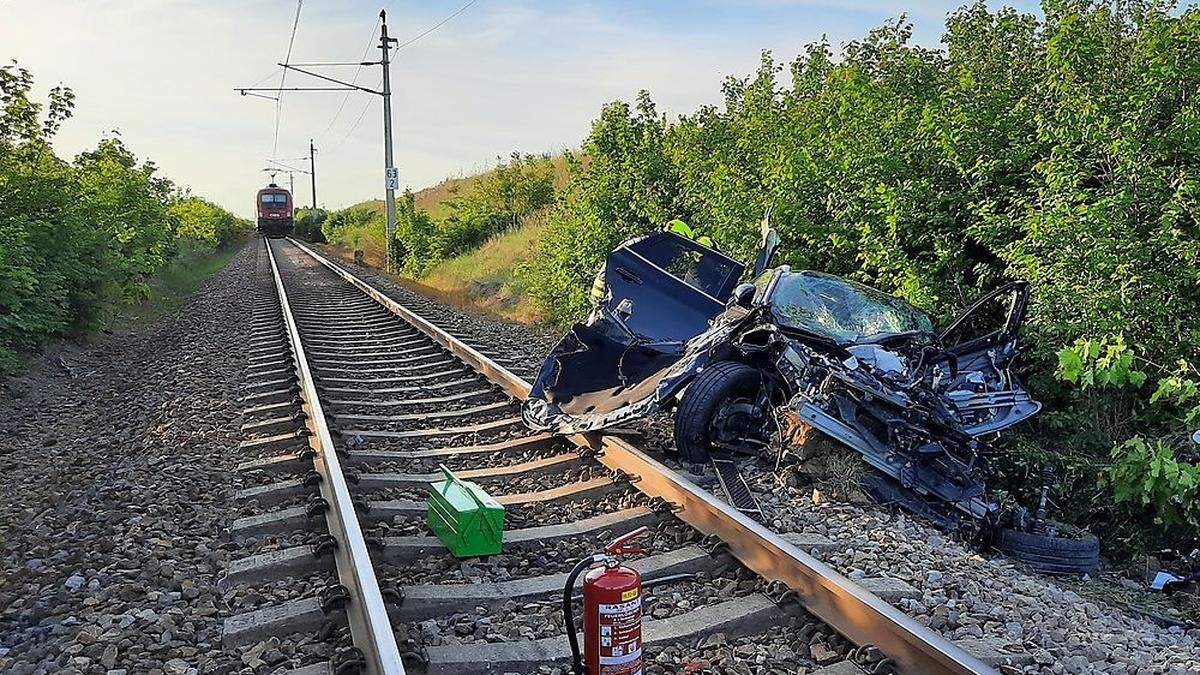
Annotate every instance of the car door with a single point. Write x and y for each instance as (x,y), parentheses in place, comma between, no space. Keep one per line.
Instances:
(985,392)
(665,287)
(992,320)
(660,291)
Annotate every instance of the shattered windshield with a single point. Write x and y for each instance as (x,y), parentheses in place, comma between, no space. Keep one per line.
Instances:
(843,310)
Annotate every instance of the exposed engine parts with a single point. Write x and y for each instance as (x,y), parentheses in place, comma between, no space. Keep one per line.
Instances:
(751,368)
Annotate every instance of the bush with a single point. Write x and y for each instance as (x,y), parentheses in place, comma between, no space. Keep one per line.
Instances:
(414,246)
(353,226)
(1148,476)
(308,224)
(1063,151)
(495,202)
(202,221)
(79,239)
(629,184)
(491,204)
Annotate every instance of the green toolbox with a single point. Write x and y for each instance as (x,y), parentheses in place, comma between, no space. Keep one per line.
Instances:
(467,520)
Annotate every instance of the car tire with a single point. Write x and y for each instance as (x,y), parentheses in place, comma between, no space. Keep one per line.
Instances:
(699,403)
(1054,555)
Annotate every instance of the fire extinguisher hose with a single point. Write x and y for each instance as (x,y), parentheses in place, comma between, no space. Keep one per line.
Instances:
(568,611)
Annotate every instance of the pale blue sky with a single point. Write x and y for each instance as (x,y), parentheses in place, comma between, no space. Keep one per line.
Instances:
(502,76)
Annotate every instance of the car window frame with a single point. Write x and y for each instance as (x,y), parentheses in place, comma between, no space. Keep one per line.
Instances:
(1007,331)
(736,268)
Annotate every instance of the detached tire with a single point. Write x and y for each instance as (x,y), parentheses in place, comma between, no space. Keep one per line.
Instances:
(711,388)
(1055,555)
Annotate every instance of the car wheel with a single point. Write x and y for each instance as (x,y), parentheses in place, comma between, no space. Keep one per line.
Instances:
(1053,554)
(718,385)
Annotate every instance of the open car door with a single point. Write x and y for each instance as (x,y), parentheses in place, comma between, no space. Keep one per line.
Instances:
(993,319)
(983,339)
(660,291)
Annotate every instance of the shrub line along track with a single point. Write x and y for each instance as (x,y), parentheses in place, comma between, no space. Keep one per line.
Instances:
(860,616)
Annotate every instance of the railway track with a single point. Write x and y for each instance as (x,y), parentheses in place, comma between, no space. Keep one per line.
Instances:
(354,402)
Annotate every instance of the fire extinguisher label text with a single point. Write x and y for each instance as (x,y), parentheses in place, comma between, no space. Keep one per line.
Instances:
(620,636)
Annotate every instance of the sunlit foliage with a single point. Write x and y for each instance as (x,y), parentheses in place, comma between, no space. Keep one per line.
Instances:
(1062,150)
(79,239)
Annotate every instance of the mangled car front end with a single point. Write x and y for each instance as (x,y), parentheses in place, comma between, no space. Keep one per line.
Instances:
(749,368)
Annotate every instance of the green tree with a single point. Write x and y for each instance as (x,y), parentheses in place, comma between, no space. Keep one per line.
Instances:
(202,221)
(628,183)
(415,243)
(1063,151)
(77,239)
(349,226)
(308,224)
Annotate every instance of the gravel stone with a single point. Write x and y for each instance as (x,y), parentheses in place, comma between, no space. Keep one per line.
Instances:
(965,593)
(118,491)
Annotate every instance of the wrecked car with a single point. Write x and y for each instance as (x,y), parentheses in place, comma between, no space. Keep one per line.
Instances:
(751,367)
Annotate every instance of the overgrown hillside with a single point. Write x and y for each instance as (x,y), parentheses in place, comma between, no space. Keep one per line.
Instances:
(80,239)
(436,200)
(464,237)
(487,277)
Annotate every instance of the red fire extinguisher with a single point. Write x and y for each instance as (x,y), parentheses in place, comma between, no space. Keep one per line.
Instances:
(612,612)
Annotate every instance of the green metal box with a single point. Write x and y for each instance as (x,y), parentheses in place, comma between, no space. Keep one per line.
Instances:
(467,520)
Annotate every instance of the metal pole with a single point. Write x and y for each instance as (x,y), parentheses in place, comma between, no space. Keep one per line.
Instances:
(312,170)
(391,176)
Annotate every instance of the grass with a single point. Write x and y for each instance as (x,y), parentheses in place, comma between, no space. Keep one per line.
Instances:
(483,280)
(175,283)
(486,277)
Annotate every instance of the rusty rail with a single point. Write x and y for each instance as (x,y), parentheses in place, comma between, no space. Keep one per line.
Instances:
(370,627)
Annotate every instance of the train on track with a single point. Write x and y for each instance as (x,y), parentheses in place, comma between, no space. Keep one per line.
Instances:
(275,211)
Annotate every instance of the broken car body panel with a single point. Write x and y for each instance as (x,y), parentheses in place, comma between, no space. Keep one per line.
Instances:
(663,290)
(864,367)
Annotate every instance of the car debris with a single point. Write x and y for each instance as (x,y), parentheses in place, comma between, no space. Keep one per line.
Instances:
(753,367)
(1173,571)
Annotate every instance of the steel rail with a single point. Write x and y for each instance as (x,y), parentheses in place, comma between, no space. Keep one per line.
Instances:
(370,627)
(859,615)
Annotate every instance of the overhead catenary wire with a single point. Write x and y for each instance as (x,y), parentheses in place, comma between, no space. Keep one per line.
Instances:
(288,167)
(283,77)
(257,82)
(353,80)
(435,26)
(402,45)
(262,79)
(346,136)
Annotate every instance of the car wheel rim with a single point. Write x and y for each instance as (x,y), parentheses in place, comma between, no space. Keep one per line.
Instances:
(737,425)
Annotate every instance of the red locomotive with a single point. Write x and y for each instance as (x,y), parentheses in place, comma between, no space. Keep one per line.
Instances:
(274,205)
